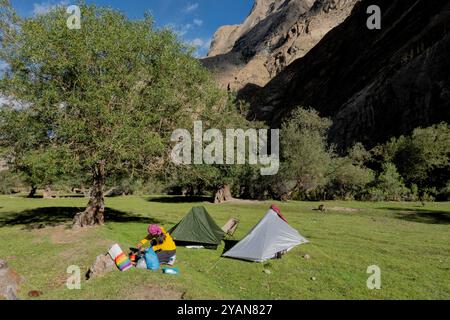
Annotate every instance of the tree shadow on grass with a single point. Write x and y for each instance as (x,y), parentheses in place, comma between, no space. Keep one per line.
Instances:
(59,196)
(52,216)
(421,215)
(180,199)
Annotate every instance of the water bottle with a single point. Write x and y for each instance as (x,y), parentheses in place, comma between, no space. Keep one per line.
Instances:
(171,271)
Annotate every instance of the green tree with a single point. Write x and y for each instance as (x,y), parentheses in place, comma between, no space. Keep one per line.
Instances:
(389,185)
(220,179)
(305,155)
(347,180)
(359,155)
(41,168)
(425,151)
(106,97)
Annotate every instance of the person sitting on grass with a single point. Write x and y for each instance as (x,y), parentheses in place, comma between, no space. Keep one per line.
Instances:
(162,243)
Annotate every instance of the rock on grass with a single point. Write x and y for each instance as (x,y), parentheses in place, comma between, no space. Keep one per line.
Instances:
(103,264)
(9,281)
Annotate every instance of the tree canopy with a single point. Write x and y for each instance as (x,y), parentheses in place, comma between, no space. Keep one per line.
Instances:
(305,153)
(105,98)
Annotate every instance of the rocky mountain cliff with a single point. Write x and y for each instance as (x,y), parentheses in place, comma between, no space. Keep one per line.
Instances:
(374,84)
(275,33)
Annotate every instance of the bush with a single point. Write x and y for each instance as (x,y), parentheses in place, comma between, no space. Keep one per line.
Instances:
(428,197)
(348,181)
(422,158)
(9,182)
(389,185)
(375,194)
(414,193)
(444,193)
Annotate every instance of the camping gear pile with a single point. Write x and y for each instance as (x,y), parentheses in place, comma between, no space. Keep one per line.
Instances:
(140,259)
(146,259)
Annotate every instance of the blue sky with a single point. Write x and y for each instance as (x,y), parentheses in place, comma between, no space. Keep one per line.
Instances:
(194,20)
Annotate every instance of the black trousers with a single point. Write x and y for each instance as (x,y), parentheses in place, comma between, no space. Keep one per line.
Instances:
(164,256)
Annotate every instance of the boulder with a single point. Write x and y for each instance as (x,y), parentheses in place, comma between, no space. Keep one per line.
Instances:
(9,281)
(103,264)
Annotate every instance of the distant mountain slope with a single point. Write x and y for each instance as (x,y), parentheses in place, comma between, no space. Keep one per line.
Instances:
(275,33)
(374,84)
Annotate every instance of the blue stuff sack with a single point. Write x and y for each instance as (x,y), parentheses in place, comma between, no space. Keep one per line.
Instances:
(151,259)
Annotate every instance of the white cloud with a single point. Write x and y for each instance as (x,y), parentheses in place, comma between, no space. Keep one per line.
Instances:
(180,30)
(198,22)
(191,7)
(198,42)
(45,7)
(202,46)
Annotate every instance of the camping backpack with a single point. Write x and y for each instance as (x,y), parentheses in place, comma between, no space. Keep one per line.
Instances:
(151,259)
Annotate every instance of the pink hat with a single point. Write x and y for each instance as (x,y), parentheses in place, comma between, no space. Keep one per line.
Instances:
(154,230)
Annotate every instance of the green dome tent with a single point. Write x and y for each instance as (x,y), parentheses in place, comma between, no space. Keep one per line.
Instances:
(197,227)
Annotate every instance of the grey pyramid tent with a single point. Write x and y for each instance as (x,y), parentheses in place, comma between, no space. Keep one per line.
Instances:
(270,236)
(197,227)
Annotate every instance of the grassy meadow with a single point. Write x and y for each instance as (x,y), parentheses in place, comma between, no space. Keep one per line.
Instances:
(408,241)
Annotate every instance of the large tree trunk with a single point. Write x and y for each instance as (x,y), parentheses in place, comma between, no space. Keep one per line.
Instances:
(32,192)
(94,213)
(223,194)
(189,191)
(48,194)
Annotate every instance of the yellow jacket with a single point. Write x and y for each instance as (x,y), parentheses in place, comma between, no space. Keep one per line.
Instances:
(167,245)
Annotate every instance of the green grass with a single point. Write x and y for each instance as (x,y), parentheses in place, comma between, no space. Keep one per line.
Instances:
(410,243)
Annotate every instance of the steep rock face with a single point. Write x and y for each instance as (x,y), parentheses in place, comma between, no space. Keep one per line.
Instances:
(374,84)
(226,37)
(274,34)
(223,40)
